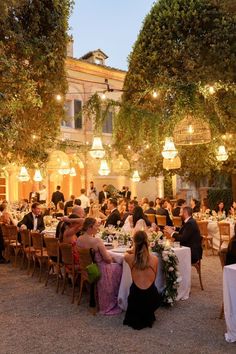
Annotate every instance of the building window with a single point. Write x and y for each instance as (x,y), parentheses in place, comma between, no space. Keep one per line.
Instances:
(107,125)
(68,122)
(78,114)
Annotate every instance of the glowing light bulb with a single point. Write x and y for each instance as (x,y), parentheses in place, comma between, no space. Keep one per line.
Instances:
(190,129)
(58,97)
(155,94)
(103,97)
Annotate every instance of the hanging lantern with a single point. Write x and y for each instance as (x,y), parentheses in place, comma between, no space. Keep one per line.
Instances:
(97,151)
(104,170)
(72,172)
(58,160)
(169,151)
(23,175)
(192,131)
(37,176)
(221,154)
(135,177)
(172,164)
(120,165)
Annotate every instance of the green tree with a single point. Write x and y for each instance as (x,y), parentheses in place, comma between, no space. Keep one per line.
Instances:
(184,47)
(33,39)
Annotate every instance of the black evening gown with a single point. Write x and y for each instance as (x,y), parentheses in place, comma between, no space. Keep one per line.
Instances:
(142,303)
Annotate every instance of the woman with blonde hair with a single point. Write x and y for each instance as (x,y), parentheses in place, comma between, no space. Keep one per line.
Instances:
(143,298)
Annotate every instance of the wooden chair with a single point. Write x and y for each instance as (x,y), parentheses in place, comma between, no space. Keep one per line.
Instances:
(10,237)
(207,239)
(84,260)
(151,218)
(27,249)
(177,221)
(161,220)
(222,256)
(224,228)
(197,266)
(40,253)
(69,267)
(52,248)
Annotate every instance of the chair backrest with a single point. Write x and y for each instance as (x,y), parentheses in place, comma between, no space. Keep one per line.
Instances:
(151,218)
(37,240)
(84,257)
(177,221)
(161,220)
(203,227)
(51,244)
(10,232)
(224,228)
(66,253)
(25,238)
(222,255)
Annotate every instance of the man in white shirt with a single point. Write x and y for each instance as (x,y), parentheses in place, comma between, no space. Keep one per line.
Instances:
(85,203)
(43,195)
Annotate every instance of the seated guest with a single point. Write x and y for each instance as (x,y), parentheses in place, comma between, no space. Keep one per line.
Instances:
(32,220)
(114,216)
(205,206)
(163,211)
(151,209)
(139,220)
(122,207)
(76,222)
(108,284)
(69,204)
(24,205)
(6,217)
(157,203)
(60,210)
(143,298)
(95,213)
(180,203)
(231,250)
(70,237)
(195,205)
(144,204)
(189,234)
(220,209)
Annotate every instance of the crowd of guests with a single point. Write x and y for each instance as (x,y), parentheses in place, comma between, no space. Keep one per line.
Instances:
(79,222)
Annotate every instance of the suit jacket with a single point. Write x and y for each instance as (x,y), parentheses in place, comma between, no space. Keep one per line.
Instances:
(57,197)
(126,194)
(28,220)
(189,236)
(150,211)
(162,211)
(36,197)
(101,197)
(176,211)
(113,218)
(68,204)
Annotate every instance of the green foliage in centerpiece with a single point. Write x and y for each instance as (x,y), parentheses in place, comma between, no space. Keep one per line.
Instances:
(33,39)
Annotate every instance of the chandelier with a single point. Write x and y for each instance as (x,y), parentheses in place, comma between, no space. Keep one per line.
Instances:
(37,176)
(104,169)
(72,172)
(221,154)
(97,151)
(169,150)
(135,177)
(23,175)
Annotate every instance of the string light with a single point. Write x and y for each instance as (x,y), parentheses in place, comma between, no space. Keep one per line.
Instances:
(58,97)
(155,94)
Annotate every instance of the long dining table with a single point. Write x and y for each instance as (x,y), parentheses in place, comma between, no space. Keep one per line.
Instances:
(184,267)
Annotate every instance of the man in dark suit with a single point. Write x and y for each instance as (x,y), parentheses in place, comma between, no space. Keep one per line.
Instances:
(151,209)
(104,194)
(57,196)
(163,211)
(69,204)
(114,216)
(179,204)
(32,220)
(189,234)
(126,193)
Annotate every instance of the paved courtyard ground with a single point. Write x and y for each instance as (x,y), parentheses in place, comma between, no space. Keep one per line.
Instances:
(36,320)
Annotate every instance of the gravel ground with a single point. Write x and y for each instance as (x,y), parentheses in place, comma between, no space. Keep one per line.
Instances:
(34,319)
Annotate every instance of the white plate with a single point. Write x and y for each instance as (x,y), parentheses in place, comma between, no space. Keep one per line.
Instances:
(119,250)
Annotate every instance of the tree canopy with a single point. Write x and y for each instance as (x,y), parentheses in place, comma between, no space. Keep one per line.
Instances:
(186,52)
(33,39)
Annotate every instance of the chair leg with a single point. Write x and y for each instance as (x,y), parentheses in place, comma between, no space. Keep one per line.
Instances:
(200,275)
(80,289)
(28,263)
(206,246)
(222,311)
(34,266)
(64,283)
(48,271)
(40,270)
(58,277)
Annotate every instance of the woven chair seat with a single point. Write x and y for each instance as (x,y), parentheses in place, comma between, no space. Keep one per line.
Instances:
(38,253)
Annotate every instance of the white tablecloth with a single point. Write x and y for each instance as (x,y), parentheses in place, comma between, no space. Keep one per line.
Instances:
(229,292)
(51,232)
(184,267)
(213,230)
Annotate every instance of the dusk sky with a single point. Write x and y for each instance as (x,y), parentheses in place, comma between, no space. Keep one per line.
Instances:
(111,25)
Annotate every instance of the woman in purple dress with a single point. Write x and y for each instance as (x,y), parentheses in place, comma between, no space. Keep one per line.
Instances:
(108,284)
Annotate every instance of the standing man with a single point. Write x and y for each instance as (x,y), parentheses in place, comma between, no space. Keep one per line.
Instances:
(85,203)
(189,234)
(126,193)
(32,220)
(103,194)
(57,196)
(92,191)
(114,216)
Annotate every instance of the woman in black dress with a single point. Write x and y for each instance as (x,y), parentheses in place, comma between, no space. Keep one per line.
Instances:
(143,298)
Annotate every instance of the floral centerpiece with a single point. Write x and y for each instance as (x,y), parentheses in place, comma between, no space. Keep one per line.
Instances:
(109,234)
(169,264)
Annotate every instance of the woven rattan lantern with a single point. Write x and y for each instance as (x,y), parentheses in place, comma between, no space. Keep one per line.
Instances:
(120,165)
(192,131)
(172,164)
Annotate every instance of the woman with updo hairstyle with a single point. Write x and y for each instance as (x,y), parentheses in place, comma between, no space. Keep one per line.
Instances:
(109,282)
(143,298)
